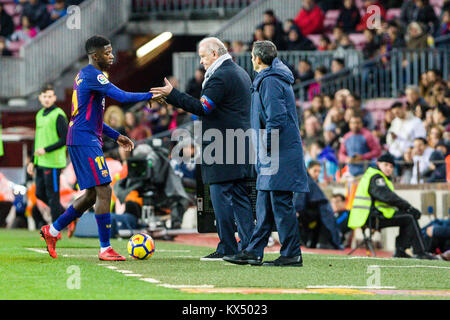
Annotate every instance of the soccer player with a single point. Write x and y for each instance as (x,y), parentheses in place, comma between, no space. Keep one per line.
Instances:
(84,141)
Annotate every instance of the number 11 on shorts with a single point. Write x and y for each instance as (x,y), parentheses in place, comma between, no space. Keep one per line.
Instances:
(100,162)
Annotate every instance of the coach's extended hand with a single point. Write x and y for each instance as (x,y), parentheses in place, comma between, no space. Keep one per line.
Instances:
(165,91)
(125,143)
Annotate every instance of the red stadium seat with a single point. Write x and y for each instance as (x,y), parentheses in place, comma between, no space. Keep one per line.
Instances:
(358,39)
(331,19)
(393,13)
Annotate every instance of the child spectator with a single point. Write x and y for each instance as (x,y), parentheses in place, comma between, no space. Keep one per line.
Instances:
(305,72)
(25,32)
(314,88)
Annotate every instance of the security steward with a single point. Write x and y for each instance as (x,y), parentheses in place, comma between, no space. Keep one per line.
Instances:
(224,105)
(377,204)
(49,151)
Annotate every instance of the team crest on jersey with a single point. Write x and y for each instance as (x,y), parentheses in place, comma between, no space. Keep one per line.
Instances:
(105,173)
(102,79)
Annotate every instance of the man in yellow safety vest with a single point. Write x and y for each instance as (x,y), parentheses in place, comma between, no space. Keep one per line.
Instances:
(376,201)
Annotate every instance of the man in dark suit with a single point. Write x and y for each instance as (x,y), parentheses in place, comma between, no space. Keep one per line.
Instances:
(280,165)
(224,104)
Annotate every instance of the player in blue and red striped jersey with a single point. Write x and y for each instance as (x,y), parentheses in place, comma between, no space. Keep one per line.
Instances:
(84,141)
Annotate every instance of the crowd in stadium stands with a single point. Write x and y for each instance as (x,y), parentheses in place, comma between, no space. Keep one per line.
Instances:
(22,20)
(338,130)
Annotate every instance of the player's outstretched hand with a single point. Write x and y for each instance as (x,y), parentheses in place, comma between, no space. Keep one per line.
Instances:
(125,143)
(164,91)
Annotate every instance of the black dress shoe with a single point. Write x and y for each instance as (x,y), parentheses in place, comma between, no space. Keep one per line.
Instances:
(285,262)
(213,257)
(244,257)
(425,256)
(401,254)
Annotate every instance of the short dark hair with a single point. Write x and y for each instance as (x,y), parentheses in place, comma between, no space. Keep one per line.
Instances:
(96,42)
(322,69)
(313,163)
(269,12)
(338,195)
(340,61)
(305,61)
(356,96)
(47,87)
(437,72)
(266,51)
(396,105)
(425,142)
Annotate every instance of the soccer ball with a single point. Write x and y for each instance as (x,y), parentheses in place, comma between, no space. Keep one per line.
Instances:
(141,246)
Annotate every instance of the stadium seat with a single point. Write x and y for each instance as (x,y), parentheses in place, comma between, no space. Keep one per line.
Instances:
(392,14)
(331,19)
(437,3)
(315,38)
(358,39)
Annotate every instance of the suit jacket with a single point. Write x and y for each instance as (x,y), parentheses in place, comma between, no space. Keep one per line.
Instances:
(224,104)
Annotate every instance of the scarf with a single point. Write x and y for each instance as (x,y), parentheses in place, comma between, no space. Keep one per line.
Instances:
(216,64)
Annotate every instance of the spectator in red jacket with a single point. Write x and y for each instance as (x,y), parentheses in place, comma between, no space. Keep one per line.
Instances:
(310,18)
(369,13)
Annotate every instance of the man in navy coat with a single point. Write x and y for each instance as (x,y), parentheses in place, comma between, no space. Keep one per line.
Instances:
(280,165)
(224,106)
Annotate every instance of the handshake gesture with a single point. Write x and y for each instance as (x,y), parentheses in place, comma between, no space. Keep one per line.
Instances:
(160,93)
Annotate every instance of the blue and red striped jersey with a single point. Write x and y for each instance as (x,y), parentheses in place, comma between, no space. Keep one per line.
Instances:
(88,104)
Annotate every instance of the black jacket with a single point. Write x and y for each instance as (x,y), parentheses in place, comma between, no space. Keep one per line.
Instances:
(378,190)
(228,93)
(6,24)
(348,19)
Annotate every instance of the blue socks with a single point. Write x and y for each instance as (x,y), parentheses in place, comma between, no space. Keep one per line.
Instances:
(104,229)
(66,218)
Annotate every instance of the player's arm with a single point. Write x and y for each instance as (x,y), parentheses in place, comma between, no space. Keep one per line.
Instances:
(126,97)
(212,94)
(99,83)
(122,140)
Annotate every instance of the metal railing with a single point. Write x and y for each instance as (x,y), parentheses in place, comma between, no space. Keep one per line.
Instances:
(58,47)
(11,76)
(153,8)
(384,76)
(185,63)
(242,26)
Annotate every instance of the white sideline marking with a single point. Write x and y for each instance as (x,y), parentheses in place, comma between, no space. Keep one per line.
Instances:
(178,286)
(37,250)
(415,266)
(356,258)
(124,271)
(133,275)
(150,280)
(349,287)
(167,250)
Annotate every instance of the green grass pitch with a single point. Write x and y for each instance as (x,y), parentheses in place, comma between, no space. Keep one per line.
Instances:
(28,272)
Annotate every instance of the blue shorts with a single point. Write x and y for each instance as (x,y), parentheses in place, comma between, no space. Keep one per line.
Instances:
(89,165)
